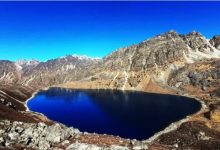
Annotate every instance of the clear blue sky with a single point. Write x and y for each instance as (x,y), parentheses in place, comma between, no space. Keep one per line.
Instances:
(45,30)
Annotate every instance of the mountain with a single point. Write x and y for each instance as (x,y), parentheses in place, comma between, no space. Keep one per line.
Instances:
(55,71)
(163,49)
(126,68)
(58,71)
(152,61)
(215,41)
(25,63)
(9,72)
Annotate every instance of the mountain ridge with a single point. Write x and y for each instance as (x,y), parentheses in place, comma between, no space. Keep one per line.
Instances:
(161,54)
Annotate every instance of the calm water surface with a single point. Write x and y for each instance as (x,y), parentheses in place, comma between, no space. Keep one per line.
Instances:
(134,115)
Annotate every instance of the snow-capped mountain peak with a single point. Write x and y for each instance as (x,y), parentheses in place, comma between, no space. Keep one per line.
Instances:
(25,62)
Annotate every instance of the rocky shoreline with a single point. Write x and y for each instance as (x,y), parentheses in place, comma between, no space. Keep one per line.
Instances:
(20,135)
(48,144)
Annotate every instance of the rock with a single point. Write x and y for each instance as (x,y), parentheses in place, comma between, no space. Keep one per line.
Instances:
(19,129)
(36,136)
(28,133)
(7,143)
(69,132)
(216,93)
(178,84)
(9,104)
(7,122)
(2,141)
(201,75)
(43,145)
(2,100)
(41,125)
(65,142)
(57,148)
(139,146)
(1,132)
(116,147)
(202,136)
(204,88)
(215,115)
(8,68)
(82,146)
(13,136)
(215,41)
(53,133)
(176,145)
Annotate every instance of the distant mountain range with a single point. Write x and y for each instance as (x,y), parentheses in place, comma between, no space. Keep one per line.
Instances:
(126,68)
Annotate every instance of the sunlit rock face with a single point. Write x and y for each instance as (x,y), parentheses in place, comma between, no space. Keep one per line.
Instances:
(196,41)
(203,75)
(154,59)
(60,70)
(215,41)
(162,49)
(9,72)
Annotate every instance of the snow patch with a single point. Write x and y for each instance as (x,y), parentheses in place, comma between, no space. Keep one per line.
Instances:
(18,67)
(27,62)
(68,67)
(80,57)
(193,56)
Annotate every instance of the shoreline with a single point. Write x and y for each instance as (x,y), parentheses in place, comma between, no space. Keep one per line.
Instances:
(171,127)
(34,93)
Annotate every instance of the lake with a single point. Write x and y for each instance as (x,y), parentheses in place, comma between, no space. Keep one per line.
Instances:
(128,114)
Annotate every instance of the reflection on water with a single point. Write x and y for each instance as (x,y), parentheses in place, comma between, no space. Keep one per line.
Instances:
(127,114)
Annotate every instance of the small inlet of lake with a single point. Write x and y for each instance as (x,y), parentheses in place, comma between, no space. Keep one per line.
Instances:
(128,114)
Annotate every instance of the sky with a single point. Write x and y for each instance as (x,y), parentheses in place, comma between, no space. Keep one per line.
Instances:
(46,30)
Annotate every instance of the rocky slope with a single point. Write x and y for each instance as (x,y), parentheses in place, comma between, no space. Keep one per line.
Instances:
(151,62)
(9,72)
(203,76)
(40,74)
(215,41)
(57,71)
(167,63)
(38,136)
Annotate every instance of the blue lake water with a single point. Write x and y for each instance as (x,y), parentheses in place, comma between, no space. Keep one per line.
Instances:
(134,115)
